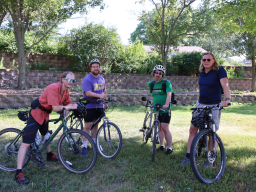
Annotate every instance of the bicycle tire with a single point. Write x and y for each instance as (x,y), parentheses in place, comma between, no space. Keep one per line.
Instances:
(146,127)
(110,146)
(212,173)
(6,137)
(154,140)
(73,160)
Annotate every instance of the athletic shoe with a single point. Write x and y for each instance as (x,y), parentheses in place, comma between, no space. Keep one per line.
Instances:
(207,164)
(21,179)
(84,151)
(185,161)
(52,158)
(161,148)
(168,152)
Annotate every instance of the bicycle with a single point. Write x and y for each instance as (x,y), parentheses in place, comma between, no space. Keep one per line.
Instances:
(69,147)
(149,130)
(207,146)
(109,136)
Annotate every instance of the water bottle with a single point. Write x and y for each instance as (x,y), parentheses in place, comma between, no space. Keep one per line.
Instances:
(46,137)
(38,139)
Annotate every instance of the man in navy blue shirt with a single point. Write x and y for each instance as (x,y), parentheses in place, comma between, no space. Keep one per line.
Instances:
(209,95)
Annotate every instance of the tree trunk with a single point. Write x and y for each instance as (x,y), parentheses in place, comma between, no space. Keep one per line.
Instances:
(253,88)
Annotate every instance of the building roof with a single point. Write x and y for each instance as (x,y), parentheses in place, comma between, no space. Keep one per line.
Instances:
(150,49)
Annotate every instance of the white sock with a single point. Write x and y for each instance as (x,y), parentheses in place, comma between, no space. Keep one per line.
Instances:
(170,148)
(163,146)
(94,139)
(85,144)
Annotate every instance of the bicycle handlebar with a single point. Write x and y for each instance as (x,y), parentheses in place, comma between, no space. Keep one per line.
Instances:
(208,107)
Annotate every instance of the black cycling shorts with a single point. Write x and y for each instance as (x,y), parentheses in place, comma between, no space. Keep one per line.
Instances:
(164,117)
(93,114)
(31,129)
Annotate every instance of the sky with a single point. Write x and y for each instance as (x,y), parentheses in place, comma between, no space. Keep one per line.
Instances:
(120,14)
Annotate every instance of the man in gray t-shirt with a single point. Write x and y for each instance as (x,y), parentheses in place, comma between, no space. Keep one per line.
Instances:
(94,88)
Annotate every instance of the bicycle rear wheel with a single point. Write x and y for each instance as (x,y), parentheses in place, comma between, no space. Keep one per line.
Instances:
(70,152)
(10,142)
(109,140)
(155,139)
(208,169)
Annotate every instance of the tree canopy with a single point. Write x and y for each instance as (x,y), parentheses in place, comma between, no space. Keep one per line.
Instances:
(41,16)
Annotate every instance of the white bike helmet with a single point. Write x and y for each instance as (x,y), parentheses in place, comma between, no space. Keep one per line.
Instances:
(159,68)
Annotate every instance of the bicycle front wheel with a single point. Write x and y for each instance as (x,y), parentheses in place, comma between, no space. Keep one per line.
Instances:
(109,140)
(70,151)
(10,142)
(146,127)
(155,140)
(210,167)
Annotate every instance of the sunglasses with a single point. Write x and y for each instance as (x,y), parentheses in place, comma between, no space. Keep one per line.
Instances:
(158,73)
(206,59)
(71,80)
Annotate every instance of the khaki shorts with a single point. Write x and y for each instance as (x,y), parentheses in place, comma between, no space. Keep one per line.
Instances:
(216,113)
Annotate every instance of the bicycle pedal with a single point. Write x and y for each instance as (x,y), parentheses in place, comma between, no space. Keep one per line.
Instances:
(41,164)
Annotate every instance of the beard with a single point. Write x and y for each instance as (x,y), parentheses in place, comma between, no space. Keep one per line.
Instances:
(95,73)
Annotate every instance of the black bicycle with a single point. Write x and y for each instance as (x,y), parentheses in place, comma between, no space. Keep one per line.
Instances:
(151,129)
(69,147)
(208,158)
(109,136)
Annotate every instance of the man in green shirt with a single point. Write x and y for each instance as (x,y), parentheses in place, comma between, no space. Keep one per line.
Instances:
(162,95)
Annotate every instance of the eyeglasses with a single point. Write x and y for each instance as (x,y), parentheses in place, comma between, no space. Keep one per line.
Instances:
(71,80)
(206,59)
(158,73)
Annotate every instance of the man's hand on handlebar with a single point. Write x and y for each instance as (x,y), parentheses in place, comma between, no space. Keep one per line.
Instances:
(103,95)
(165,107)
(106,105)
(225,103)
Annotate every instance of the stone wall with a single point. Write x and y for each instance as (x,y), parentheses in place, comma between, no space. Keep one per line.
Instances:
(14,101)
(40,79)
(62,62)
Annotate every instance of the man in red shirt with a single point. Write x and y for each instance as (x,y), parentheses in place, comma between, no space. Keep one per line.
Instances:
(54,98)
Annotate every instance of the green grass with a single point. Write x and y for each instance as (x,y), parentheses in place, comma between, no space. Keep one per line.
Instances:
(133,170)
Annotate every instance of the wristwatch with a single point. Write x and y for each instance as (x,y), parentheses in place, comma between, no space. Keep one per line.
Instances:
(227,99)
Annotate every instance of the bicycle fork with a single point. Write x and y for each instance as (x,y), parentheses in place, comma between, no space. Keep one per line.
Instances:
(107,136)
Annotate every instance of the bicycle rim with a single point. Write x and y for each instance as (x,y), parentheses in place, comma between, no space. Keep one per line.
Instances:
(70,153)
(154,141)
(109,140)
(9,150)
(208,174)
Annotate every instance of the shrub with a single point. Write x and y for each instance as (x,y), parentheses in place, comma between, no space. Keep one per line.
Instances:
(187,63)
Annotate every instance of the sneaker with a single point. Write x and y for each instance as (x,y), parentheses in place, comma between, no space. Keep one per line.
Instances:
(21,179)
(185,161)
(168,152)
(161,148)
(84,151)
(52,158)
(207,164)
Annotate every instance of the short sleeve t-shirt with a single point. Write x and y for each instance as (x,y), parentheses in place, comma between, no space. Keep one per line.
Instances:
(159,96)
(95,85)
(52,96)
(209,86)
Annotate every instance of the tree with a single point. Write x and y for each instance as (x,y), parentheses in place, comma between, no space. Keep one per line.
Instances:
(239,16)
(41,16)
(2,14)
(93,41)
(171,20)
(140,34)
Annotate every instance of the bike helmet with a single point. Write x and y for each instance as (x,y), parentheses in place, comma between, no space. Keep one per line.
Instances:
(80,112)
(94,61)
(159,68)
(198,121)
